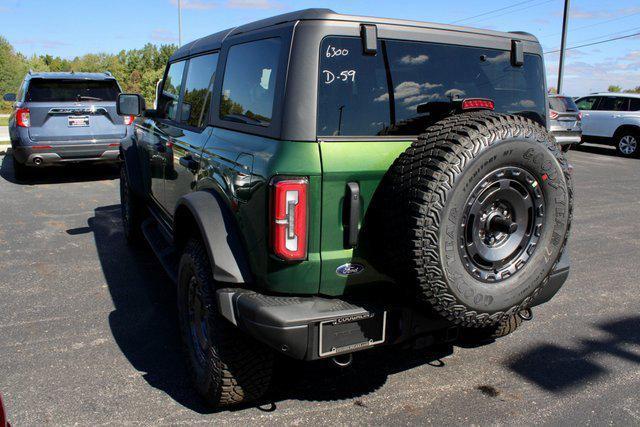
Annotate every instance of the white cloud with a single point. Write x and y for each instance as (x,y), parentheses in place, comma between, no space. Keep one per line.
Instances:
(164,35)
(579,13)
(195,4)
(252,4)
(42,43)
(410,90)
(414,60)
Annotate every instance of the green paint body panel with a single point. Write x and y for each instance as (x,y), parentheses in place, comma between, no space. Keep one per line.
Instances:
(239,167)
(365,163)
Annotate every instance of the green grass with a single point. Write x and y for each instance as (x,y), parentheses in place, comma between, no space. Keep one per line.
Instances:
(4,121)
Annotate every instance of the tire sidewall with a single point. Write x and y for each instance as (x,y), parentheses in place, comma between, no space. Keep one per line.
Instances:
(535,157)
(201,375)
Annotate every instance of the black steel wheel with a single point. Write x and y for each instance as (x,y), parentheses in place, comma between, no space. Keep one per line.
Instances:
(501,224)
(226,366)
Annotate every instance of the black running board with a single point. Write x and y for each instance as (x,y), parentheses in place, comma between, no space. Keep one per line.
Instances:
(163,249)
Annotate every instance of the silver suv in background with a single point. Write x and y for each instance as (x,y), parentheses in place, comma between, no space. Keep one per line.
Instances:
(612,118)
(565,121)
(65,117)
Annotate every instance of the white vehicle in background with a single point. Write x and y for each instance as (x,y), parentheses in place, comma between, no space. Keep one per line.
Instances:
(612,118)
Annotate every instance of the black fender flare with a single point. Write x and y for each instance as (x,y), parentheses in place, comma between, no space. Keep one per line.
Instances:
(220,234)
(132,168)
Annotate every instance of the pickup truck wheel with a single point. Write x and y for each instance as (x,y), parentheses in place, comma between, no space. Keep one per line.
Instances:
(482,205)
(627,144)
(226,366)
(131,210)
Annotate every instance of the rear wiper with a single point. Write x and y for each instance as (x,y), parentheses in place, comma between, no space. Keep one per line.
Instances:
(88,98)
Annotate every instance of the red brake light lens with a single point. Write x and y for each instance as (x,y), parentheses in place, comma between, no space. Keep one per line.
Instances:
(128,120)
(289,213)
(580,115)
(553,114)
(23,117)
(477,104)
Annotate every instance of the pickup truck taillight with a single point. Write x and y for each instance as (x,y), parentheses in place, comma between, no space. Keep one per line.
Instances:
(580,116)
(289,213)
(23,117)
(128,120)
(553,114)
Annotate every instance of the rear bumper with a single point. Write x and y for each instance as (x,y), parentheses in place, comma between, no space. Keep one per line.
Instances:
(567,137)
(291,325)
(43,153)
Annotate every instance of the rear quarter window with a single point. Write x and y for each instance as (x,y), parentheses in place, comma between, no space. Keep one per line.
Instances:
(397,91)
(249,85)
(60,90)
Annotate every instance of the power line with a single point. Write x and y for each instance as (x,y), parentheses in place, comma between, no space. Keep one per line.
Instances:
(608,34)
(511,11)
(595,43)
(493,11)
(595,24)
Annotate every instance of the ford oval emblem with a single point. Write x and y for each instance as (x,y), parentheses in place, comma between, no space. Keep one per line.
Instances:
(349,269)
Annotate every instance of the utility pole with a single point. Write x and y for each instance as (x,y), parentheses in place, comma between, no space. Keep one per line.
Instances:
(563,43)
(180,23)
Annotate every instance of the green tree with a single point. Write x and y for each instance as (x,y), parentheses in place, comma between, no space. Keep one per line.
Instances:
(614,88)
(12,71)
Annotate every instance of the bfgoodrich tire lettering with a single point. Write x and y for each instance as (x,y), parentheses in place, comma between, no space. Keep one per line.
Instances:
(431,184)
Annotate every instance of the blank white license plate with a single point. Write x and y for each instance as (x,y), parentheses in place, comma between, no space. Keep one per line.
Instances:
(78,121)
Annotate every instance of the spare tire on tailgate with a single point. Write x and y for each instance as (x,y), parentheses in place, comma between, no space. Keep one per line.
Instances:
(481,208)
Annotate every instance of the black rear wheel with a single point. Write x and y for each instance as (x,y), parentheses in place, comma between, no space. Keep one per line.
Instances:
(226,366)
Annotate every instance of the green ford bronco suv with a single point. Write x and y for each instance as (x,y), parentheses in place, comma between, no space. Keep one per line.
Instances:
(319,184)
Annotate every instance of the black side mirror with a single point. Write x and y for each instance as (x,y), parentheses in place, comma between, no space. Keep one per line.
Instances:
(130,104)
(9,97)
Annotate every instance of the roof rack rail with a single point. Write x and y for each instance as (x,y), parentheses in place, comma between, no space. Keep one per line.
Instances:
(108,73)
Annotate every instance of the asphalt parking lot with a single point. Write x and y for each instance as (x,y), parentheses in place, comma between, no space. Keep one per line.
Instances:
(88,330)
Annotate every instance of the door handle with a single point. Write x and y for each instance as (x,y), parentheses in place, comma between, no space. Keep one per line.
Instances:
(352,213)
(189,163)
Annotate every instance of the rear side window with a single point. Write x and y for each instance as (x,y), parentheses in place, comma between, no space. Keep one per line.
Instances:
(611,103)
(562,104)
(634,104)
(587,103)
(60,90)
(197,90)
(170,95)
(248,89)
(404,88)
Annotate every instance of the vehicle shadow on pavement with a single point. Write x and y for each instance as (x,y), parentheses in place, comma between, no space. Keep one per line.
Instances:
(559,369)
(59,174)
(144,325)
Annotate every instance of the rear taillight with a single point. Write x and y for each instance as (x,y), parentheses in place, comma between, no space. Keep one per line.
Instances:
(289,218)
(553,114)
(580,115)
(128,120)
(23,117)
(477,104)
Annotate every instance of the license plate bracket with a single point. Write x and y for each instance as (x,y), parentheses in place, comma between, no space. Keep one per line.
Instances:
(78,121)
(350,333)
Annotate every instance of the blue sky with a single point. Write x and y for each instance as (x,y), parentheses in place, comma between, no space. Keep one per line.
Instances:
(73,27)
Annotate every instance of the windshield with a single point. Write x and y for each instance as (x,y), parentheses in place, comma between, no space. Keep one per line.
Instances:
(562,104)
(50,90)
(406,86)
